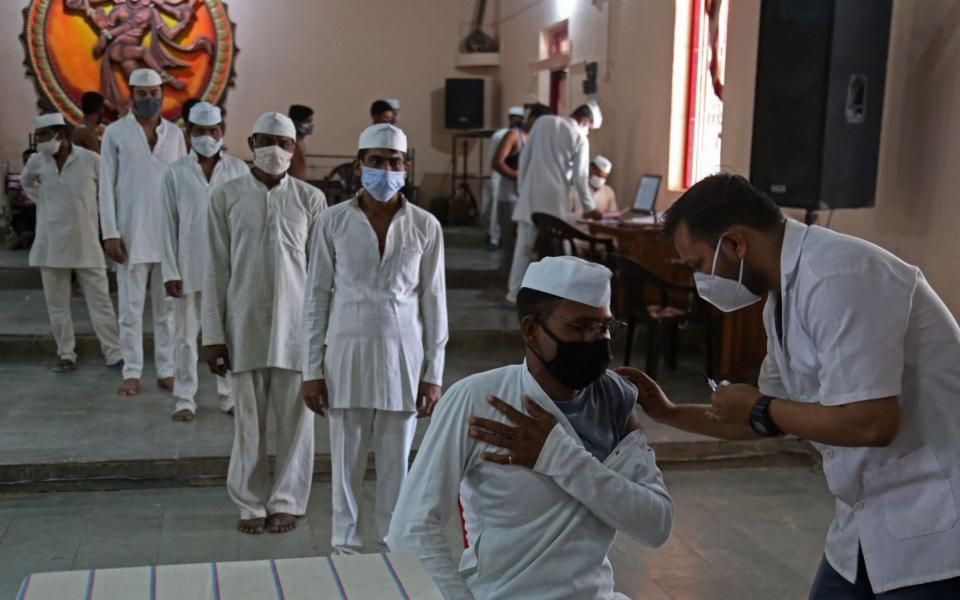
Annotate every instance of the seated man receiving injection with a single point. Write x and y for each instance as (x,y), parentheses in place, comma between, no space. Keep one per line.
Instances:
(547,457)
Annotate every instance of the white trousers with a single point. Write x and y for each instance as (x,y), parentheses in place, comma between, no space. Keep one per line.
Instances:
(96,291)
(351,430)
(248,478)
(495,227)
(522,257)
(132,292)
(186,312)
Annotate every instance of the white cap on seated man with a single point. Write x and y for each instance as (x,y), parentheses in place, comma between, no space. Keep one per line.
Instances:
(604,198)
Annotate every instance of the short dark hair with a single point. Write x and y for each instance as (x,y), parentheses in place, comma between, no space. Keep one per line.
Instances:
(299,112)
(362,154)
(379,107)
(540,110)
(186,107)
(91,102)
(533,303)
(583,111)
(717,202)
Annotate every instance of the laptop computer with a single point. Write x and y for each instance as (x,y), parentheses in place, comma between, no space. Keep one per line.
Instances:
(645,200)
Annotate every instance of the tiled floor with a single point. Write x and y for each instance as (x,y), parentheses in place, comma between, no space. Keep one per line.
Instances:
(744,534)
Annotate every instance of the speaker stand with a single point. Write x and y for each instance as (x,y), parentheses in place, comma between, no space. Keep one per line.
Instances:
(463,191)
(810,217)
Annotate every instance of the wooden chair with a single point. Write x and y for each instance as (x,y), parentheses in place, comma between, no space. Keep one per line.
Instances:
(347,180)
(662,318)
(556,237)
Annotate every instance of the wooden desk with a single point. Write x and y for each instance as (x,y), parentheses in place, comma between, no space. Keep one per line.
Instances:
(739,336)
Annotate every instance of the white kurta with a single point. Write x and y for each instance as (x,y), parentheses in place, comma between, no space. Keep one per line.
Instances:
(259,240)
(541,533)
(860,324)
(374,328)
(554,163)
(130,182)
(186,203)
(67,235)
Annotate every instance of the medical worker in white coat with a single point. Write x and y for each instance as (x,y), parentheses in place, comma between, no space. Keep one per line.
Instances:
(260,232)
(61,178)
(863,360)
(375,329)
(135,153)
(554,166)
(186,201)
(547,456)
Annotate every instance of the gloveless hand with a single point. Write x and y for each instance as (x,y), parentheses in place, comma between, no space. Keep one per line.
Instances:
(524,442)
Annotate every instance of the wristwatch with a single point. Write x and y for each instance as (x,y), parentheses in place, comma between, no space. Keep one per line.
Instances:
(760,420)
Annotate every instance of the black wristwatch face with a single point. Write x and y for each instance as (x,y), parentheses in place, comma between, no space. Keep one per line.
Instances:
(760,419)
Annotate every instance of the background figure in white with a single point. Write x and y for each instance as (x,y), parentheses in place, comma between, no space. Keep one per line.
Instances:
(186,200)
(555,163)
(135,153)
(259,229)
(61,179)
(375,329)
(505,163)
(494,232)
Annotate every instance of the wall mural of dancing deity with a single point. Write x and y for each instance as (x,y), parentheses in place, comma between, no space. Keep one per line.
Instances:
(76,46)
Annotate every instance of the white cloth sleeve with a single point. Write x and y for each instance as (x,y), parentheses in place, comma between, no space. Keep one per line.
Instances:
(433,306)
(170,228)
(635,502)
(429,494)
(858,322)
(217,274)
(321,266)
(108,187)
(30,178)
(581,173)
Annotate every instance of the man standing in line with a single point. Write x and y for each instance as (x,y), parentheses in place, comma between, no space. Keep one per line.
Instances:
(554,165)
(61,178)
(186,199)
(260,229)
(302,117)
(375,329)
(88,132)
(514,121)
(137,150)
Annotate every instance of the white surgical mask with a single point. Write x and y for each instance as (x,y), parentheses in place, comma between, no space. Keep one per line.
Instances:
(726,294)
(585,130)
(596,182)
(206,145)
(49,147)
(272,159)
(380,183)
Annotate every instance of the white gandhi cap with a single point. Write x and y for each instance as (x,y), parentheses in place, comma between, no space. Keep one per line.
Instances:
(274,123)
(48,120)
(570,278)
(603,163)
(595,115)
(394,103)
(145,78)
(515,111)
(383,135)
(205,115)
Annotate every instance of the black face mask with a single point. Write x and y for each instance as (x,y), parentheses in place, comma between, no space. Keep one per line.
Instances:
(578,364)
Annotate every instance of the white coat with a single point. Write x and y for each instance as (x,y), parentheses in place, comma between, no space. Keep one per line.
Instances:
(67,235)
(554,166)
(258,246)
(130,182)
(186,203)
(541,533)
(860,324)
(374,328)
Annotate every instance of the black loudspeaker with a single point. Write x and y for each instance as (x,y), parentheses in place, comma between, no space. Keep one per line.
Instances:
(464,104)
(821,69)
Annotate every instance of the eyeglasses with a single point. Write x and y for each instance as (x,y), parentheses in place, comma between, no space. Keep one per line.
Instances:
(596,329)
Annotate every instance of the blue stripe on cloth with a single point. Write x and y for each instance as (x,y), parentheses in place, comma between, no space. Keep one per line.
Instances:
(396,578)
(90,579)
(336,579)
(276,580)
(216,580)
(153,582)
(23,588)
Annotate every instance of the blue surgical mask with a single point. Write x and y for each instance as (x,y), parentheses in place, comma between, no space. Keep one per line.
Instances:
(148,107)
(382,184)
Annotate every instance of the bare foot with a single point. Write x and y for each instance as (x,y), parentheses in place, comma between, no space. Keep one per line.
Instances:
(166,383)
(281,523)
(253,526)
(183,415)
(129,387)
